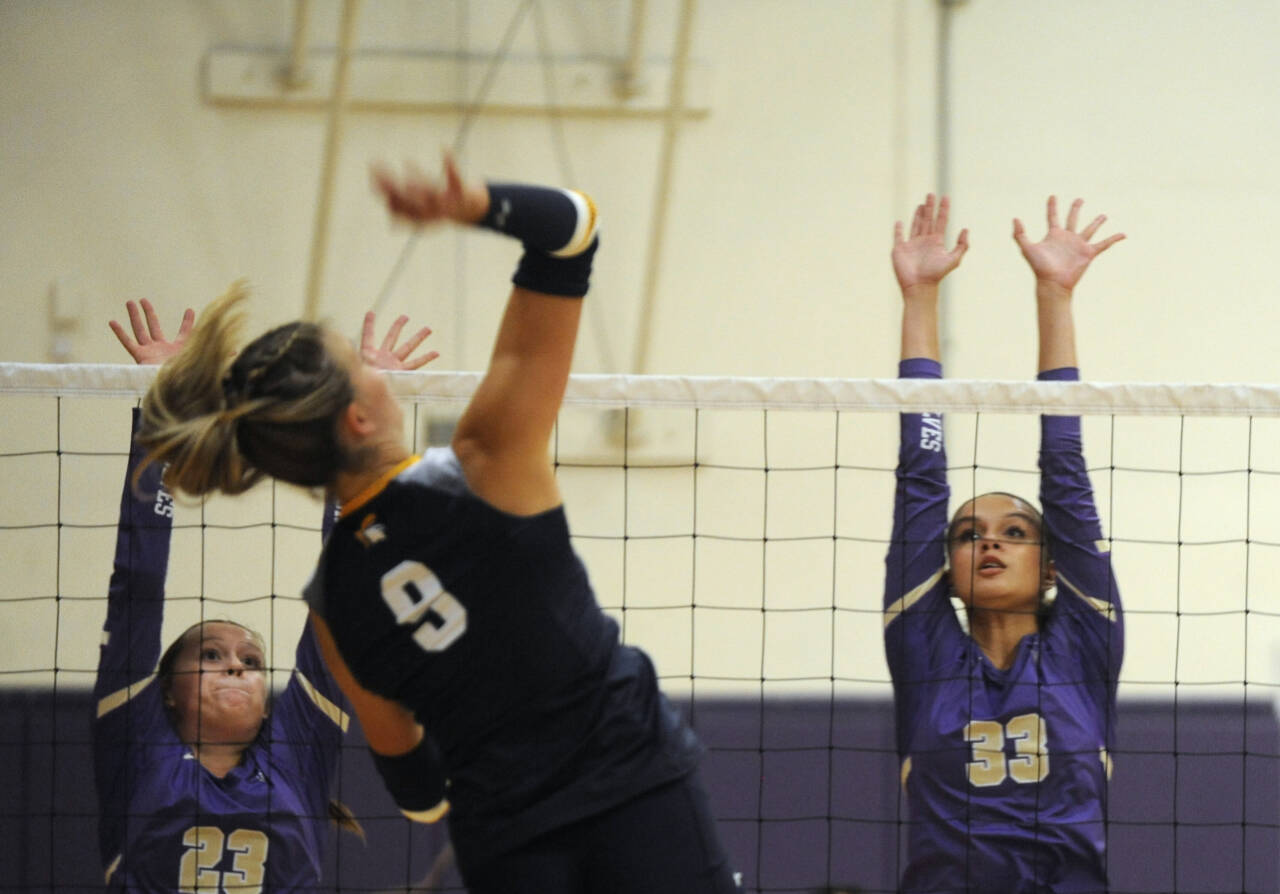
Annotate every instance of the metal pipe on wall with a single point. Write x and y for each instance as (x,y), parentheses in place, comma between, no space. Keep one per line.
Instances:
(295,72)
(332,147)
(666,162)
(943,130)
(627,84)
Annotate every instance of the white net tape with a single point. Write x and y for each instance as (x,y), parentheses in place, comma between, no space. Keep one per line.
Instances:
(721,393)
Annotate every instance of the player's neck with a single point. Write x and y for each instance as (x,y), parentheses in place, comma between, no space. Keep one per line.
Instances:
(999,632)
(349,485)
(219,759)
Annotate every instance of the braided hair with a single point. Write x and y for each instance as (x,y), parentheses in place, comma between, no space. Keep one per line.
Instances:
(222,422)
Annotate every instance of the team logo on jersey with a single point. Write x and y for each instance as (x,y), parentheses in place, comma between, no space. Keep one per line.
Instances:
(164,503)
(931,432)
(371,531)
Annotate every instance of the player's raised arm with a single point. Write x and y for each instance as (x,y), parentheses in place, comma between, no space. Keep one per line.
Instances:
(1088,602)
(1058,262)
(135,604)
(501,439)
(916,557)
(920,262)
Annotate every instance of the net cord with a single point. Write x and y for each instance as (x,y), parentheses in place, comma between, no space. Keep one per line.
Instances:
(747,393)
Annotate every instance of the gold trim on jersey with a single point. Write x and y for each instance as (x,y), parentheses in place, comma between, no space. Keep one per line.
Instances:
(111,870)
(904,772)
(327,708)
(376,487)
(1101,606)
(895,609)
(430,815)
(109,703)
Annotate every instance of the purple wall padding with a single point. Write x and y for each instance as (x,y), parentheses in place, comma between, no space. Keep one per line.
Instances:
(806,792)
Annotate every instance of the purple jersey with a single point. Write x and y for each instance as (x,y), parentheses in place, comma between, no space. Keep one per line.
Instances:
(1005,771)
(167,824)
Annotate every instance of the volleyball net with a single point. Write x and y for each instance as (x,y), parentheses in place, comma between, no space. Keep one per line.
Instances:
(736,528)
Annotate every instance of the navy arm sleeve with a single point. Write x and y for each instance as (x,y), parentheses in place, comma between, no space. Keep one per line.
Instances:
(1087,609)
(917,611)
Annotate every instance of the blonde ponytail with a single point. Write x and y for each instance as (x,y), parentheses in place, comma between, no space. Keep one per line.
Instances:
(222,421)
(186,422)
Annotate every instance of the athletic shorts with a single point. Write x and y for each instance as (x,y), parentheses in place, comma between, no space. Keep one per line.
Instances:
(661,842)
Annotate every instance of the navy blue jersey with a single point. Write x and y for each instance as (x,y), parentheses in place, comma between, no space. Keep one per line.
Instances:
(484,624)
(1005,771)
(167,824)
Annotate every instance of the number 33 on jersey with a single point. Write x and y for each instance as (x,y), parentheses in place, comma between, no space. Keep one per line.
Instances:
(990,765)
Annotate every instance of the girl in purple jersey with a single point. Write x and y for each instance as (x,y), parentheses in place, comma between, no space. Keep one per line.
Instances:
(1004,732)
(204,782)
(449,602)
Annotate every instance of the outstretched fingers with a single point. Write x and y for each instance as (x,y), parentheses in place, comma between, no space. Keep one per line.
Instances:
(1051,213)
(926,215)
(930,219)
(184,328)
(944,211)
(148,343)
(1100,247)
(419,199)
(922,258)
(367,337)
(388,355)
(393,334)
(125,341)
(1074,214)
(153,321)
(138,320)
(1091,230)
(419,362)
(412,344)
(918,221)
(1020,234)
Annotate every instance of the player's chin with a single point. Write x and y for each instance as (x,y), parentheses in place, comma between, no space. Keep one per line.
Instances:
(990,598)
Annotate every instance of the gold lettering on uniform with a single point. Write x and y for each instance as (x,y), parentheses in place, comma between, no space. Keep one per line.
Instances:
(989,766)
(198,869)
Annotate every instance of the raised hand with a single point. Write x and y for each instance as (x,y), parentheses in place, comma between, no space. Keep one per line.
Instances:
(149,345)
(1062,257)
(923,259)
(419,200)
(387,355)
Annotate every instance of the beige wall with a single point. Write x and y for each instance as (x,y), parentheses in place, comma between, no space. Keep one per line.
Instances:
(119,181)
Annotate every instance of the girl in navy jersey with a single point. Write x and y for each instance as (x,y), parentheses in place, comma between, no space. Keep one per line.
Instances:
(449,602)
(1005,732)
(203,782)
